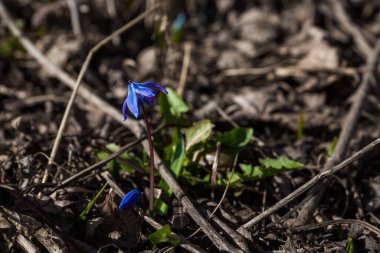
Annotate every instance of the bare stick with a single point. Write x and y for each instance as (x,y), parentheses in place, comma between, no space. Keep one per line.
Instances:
(309,227)
(315,180)
(350,122)
(185,69)
(133,126)
(74,15)
(351,28)
(235,236)
(26,244)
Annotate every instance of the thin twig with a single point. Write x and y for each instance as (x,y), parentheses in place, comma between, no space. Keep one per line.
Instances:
(225,115)
(214,168)
(185,69)
(235,236)
(349,27)
(315,180)
(223,195)
(96,165)
(74,15)
(111,156)
(111,9)
(253,71)
(309,227)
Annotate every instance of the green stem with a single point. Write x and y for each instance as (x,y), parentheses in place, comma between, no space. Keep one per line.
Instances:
(151,158)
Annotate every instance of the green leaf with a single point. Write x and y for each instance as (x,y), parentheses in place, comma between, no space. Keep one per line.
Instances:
(331,147)
(176,36)
(112,147)
(246,168)
(199,132)
(174,157)
(280,163)
(350,247)
(237,137)
(171,105)
(176,154)
(259,173)
(9,46)
(253,173)
(163,235)
(268,167)
(234,178)
(160,37)
(83,215)
(113,165)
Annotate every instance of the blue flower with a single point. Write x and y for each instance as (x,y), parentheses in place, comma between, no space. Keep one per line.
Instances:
(140,92)
(130,199)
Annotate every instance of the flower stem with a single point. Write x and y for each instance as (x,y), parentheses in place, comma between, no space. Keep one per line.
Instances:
(151,158)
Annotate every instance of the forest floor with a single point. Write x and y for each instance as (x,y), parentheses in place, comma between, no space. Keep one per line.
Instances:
(267,100)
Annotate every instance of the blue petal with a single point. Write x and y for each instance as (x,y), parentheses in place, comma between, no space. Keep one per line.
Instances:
(145,92)
(124,109)
(132,101)
(146,100)
(130,199)
(154,86)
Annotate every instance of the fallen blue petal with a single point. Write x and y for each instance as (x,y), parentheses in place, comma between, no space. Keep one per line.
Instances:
(130,199)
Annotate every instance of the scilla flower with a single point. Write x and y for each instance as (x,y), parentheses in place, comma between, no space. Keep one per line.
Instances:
(143,93)
(140,93)
(130,199)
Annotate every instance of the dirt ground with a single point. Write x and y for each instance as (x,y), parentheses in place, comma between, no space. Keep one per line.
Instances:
(266,142)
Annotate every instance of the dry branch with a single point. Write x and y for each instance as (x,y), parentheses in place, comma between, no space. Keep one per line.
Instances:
(320,177)
(309,227)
